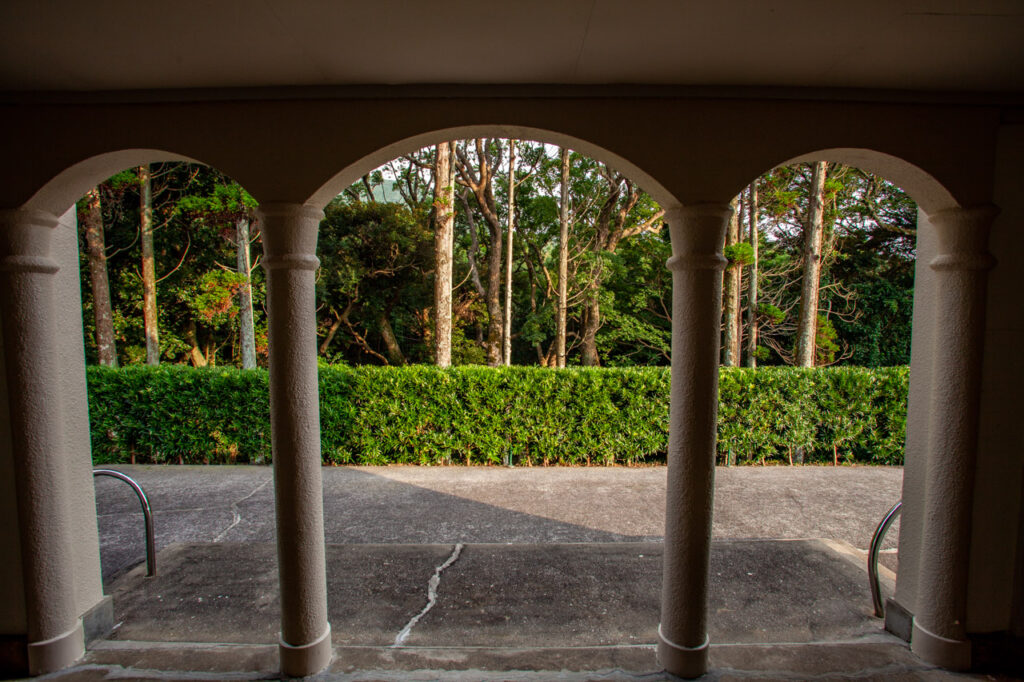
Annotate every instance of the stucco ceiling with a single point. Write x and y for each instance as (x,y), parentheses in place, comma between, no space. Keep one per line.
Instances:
(950,45)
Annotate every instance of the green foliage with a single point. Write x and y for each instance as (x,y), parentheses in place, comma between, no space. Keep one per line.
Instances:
(375,287)
(867,263)
(374,259)
(770,313)
(175,413)
(195,211)
(475,415)
(740,253)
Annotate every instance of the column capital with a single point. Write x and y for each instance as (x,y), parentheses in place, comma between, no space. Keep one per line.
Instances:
(289,235)
(963,238)
(25,237)
(698,236)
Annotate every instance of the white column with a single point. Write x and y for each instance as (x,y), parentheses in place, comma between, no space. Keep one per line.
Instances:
(289,243)
(28,305)
(698,235)
(961,270)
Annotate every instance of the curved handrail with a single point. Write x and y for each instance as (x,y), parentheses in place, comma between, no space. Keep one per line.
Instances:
(147,512)
(876,547)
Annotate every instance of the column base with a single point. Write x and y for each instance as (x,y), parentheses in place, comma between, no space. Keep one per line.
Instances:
(898,620)
(951,654)
(306,659)
(682,661)
(57,653)
(99,620)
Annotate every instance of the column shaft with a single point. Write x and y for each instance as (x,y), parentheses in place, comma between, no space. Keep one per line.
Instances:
(698,233)
(28,306)
(289,243)
(939,634)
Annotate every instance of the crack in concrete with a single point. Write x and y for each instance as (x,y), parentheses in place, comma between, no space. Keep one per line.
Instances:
(432,585)
(236,516)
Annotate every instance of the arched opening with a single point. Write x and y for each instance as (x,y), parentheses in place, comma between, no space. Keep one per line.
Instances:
(501,528)
(158,249)
(895,241)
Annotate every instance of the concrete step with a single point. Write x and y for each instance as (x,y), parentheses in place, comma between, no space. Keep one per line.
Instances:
(876,657)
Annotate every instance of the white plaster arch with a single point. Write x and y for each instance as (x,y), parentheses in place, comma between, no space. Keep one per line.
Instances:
(930,194)
(71,184)
(351,173)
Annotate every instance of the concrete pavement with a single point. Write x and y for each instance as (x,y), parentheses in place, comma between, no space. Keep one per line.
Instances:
(540,574)
(401,505)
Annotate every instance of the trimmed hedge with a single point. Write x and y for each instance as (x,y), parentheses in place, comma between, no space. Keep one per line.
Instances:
(477,415)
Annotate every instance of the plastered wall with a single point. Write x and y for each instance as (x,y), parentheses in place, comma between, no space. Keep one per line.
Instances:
(1000,464)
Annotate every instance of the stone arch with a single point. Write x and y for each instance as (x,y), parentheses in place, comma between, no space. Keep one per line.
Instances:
(352,172)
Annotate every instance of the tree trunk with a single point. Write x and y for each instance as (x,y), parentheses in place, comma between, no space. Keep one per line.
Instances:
(149,314)
(494,313)
(737,292)
(444,221)
(507,331)
(807,328)
(592,322)
(196,355)
(394,351)
(246,327)
(96,251)
(752,281)
(331,333)
(563,262)
(731,296)
(481,185)
(537,347)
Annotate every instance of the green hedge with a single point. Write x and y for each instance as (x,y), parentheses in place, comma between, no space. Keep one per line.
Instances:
(475,415)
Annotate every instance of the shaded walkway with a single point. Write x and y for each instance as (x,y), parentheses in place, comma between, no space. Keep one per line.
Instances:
(539,570)
(398,505)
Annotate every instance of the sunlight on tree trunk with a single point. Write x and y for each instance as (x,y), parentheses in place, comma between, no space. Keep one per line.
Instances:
(810,287)
(752,279)
(246,331)
(149,314)
(444,230)
(507,331)
(563,261)
(731,295)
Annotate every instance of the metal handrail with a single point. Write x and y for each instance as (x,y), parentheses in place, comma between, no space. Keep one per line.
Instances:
(147,512)
(876,547)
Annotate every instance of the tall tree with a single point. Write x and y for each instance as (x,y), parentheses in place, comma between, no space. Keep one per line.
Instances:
(563,260)
(731,294)
(149,310)
(246,326)
(96,251)
(507,354)
(751,359)
(444,231)
(807,327)
(92,223)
